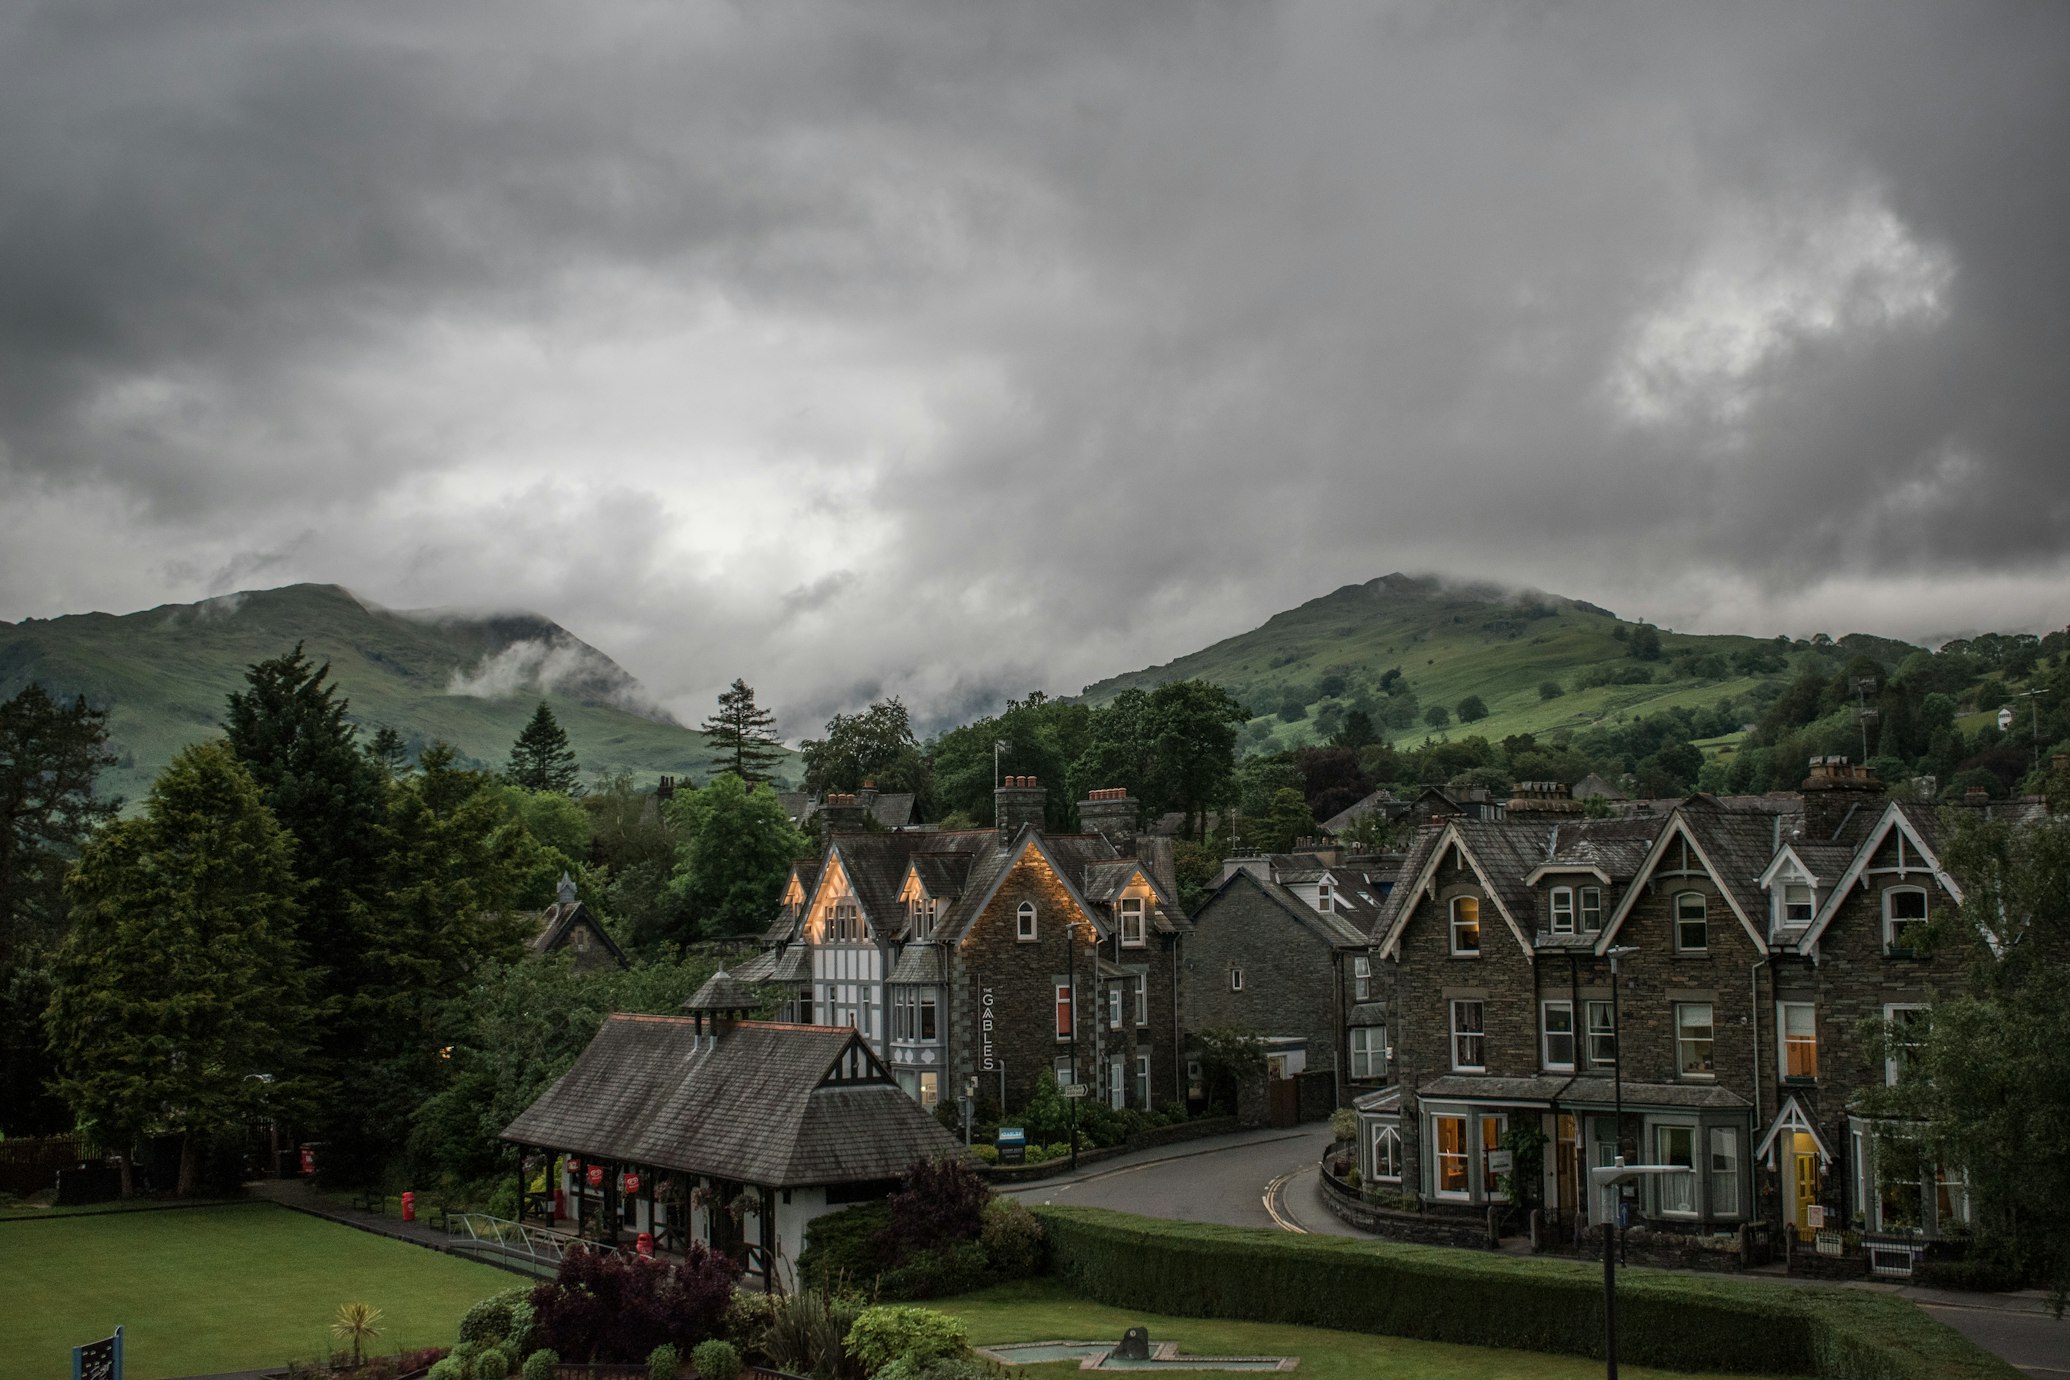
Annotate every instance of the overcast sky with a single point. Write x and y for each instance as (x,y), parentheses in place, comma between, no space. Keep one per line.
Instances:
(956,349)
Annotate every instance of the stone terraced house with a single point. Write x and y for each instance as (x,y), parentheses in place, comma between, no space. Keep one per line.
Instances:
(1762,947)
(979,958)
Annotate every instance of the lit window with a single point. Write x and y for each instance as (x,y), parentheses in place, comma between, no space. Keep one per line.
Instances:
(1368,1051)
(1362,978)
(1063,1011)
(1693,1040)
(1466,925)
(1591,909)
(1800,1040)
(1387,1154)
(1024,922)
(1492,1128)
(1556,1023)
(1563,910)
(930,1089)
(1132,922)
(1449,1133)
(1602,1034)
(1692,927)
(1469,1036)
(1904,919)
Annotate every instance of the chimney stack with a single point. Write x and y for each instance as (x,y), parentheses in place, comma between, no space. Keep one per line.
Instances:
(1018,800)
(1976,795)
(1834,787)
(841,814)
(1114,814)
(1543,798)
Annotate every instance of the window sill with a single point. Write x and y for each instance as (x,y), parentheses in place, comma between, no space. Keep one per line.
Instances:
(1557,1068)
(1798,1080)
(1482,1069)
(1463,953)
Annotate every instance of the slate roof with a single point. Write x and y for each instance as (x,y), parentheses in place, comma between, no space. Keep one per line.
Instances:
(919,963)
(1367,1013)
(891,809)
(558,919)
(759,968)
(1740,844)
(793,965)
(1587,1090)
(723,992)
(755,1104)
(1335,930)
(1357,810)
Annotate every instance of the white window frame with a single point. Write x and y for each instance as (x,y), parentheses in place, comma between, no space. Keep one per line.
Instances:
(1787,883)
(1117,1081)
(1591,905)
(1458,924)
(1674,1183)
(1143,1000)
(1478,1033)
(1562,905)
(1325,897)
(1368,1051)
(1066,1008)
(1892,1064)
(1362,977)
(1113,1006)
(1891,923)
(1236,977)
(926,1014)
(1702,921)
(1722,1204)
(1024,923)
(1438,1158)
(1594,1032)
(929,1088)
(1387,1154)
(1132,922)
(1546,1034)
(1143,1081)
(1786,1039)
(1709,1041)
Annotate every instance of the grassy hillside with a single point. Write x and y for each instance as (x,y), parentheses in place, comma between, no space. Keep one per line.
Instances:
(163,676)
(1450,641)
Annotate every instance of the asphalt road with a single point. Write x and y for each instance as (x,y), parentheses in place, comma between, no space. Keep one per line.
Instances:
(2035,1342)
(1228,1183)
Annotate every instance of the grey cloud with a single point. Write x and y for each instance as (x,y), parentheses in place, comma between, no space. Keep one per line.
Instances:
(945,349)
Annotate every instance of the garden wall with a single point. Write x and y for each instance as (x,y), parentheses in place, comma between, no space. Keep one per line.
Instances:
(1477,1299)
(1143,1140)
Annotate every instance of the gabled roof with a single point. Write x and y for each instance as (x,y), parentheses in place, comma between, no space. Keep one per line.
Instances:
(1896,816)
(722,992)
(1334,930)
(1358,809)
(1059,851)
(560,918)
(1732,845)
(763,1103)
(1791,1116)
(1492,850)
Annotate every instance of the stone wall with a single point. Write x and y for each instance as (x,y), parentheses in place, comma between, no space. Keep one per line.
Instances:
(1290,973)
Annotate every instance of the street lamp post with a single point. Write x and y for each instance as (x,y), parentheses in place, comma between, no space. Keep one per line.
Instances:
(1603,1178)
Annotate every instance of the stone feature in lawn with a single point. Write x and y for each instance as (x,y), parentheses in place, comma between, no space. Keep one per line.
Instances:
(1135,1351)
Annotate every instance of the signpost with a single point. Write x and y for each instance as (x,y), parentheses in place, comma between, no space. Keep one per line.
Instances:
(1074,1089)
(1013,1145)
(100,1360)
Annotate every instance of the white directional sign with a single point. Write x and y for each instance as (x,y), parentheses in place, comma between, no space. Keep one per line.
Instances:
(1074,1090)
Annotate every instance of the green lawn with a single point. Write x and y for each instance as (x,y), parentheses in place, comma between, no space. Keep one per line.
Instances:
(1044,1311)
(217,1289)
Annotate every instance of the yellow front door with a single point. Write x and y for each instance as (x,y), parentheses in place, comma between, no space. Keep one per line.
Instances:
(1804,1181)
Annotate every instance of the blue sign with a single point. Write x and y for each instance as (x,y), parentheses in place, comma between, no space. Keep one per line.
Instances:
(1013,1145)
(100,1360)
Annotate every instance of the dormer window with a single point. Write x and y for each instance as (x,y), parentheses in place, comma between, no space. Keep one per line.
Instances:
(1563,910)
(920,913)
(1466,927)
(1796,902)
(1325,898)
(1024,923)
(1132,922)
(1591,909)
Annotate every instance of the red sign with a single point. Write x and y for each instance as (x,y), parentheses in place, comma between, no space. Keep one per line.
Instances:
(596,1176)
(631,1182)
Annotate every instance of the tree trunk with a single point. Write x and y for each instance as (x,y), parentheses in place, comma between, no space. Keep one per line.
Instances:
(186,1165)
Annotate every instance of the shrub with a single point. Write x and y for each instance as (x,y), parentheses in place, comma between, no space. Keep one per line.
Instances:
(664,1361)
(939,1203)
(943,1368)
(1012,1239)
(1979,1273)
(848,1244)
(987,1154)
(1436,1294)
(501,1317)
(809,1333)
(714,1360)
(492,1364)
(1344,1124)
(1351,1179)
(899,1333)
(540,1364)
(451,1368)
(606,1307)
(748,1315)
(932,1274)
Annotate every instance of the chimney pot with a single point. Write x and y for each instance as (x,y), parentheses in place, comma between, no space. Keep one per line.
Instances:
(1976,795)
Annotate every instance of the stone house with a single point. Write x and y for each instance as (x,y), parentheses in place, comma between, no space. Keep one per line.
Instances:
(1760,948)
(567,926)
(976,959)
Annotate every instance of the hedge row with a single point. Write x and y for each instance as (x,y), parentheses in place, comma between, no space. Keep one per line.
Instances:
(1468,1297)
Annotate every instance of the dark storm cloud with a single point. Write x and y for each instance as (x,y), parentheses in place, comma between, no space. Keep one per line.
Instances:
(938,348)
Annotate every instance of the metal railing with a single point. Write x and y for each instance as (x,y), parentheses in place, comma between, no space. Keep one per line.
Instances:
(479,1233)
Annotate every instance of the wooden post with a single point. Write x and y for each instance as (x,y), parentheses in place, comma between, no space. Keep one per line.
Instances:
(768,1215)
(581,1177)
(521,1183)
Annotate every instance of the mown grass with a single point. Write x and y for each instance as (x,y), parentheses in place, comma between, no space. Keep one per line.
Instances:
(218,1289)
(1045,1310)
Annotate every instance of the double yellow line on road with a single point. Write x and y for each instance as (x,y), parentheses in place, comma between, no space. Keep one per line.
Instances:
(1275,1193)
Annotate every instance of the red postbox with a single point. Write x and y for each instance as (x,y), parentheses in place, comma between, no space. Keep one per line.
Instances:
(409,1207)
(644,1244)
(308,1160)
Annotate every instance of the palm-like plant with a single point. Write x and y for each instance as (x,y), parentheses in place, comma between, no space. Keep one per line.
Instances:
(355,1324)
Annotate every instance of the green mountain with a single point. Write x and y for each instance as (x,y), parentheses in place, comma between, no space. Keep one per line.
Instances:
(163,676)
(1303,670)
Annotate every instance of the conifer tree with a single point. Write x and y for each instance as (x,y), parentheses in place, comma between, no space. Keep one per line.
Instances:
(541,760)
(50,753)
(745,732)
(180,1000)
(389,752)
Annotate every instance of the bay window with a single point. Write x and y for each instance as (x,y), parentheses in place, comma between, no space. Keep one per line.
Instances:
(1591,909)
(1449,1137)
(1387,1154)
(1721,1188)
(1676,1145)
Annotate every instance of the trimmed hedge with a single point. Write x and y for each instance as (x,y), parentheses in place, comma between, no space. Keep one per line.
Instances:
(1467,1297)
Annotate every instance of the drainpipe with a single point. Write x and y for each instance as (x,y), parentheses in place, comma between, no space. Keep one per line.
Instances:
(1178,1048)
(1754,1006)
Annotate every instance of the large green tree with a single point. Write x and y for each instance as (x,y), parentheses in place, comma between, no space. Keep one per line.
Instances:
(1192,730)
(50,753)
(180,1001)
(541,759)
(874,744)
(738,848)
(1035,736)
(745,732)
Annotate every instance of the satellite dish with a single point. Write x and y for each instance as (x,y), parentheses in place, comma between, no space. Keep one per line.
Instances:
(2005,718)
